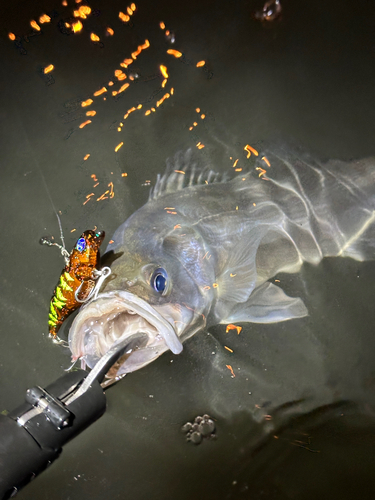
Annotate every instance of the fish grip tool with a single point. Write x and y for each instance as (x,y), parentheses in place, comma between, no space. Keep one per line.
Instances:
(32,435)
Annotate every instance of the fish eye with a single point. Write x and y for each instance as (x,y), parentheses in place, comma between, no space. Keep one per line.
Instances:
(81,244)
(159,280)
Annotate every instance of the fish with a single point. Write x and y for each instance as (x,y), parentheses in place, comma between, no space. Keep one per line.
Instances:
(203,249)
(77,279)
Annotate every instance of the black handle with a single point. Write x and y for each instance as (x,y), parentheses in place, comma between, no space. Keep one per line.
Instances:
(32,436)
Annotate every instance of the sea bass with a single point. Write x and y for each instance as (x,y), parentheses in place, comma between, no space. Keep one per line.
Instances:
(201,251)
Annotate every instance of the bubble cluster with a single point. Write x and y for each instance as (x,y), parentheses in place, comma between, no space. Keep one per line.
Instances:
(202,427)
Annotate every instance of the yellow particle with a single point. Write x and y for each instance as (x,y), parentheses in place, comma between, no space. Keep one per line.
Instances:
(174,53)
(91,113)
(35,25)
(77,26)
(133,7)
(12,36)
(48,68)
(195,124)
(86,157)
(200,64)
(164,83)
(172,91)
(100,92)
(227,348)
(86,103)
(125,18)
(64,3)
(85,123)
(198,110)
(118,146)
(44,19)
(203,117)
(110,31)
(94,38)
(164,71)
(162,25)
(148,112)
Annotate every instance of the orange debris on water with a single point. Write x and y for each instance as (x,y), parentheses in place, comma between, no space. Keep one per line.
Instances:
(85,123)
(124,17)
(35,25)
(174,53)
(262,171)
(110,31)
(118,146)
(215,285)
(231,370)
(164,71)
(228,349)
(180,172)
(238,169)
(177,226)
(86,103)
(88,197)
(203,116)
(200,145)
(91,113)
(87,156)
(250,150)
(100,92)
(235,163)
(44,19)
(148,112)
(111,193)
(72,230)
(82,12)
(173,213)
(124,174)
(200,64)
(48,69)
(231,274)
(103,196)
(266,161)
(111,241)
(93,176)
(12,36)
(164,83)
(77,26)
(233,327)
(129,11)
(94,38)
(64,3)
(133,7)
(162,25)
(172,91)
(123,87)
(97,184)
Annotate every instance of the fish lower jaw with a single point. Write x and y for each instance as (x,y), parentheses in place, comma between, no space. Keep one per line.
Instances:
(113,317)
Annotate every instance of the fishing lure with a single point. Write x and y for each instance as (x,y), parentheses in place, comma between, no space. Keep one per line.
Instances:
(80,279)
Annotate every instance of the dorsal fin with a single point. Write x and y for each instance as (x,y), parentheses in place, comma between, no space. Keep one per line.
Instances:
(184,170)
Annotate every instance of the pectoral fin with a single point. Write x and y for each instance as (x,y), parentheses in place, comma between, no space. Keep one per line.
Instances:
(267,304)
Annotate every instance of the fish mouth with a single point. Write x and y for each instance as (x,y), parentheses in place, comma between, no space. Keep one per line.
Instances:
(109,319)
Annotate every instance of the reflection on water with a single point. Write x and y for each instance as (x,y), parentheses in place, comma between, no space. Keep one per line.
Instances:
(286,380)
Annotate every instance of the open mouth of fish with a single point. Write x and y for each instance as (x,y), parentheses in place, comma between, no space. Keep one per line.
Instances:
(110,319)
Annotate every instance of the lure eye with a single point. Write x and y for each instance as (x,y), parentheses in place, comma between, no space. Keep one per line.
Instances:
(159,280)
(81,244)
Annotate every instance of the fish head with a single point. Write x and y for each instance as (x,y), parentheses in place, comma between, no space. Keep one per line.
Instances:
(157,286)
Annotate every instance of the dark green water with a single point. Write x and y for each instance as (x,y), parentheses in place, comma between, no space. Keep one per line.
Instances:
(308,78)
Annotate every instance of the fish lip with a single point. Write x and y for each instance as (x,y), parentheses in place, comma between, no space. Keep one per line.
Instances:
(124,301)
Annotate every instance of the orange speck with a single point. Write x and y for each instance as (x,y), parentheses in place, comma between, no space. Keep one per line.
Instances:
(100,92)
(215,285)
(195,124)
(111,194)
(44,19)
(72,230)
(203,116)
(118,146)
(207,288)
(164,71)
(139,106)
(93,176)
(164,83)
(174,53)
(88,198)
(173,213)
(94,38)
(278,281)
(201,146)
(97,184)
(77,26)
(85,123)
(86,103)
(177,226)
(172,91)
(250,150)
(191,128)
(180,172)
(254,204)
(231,370)
(35,25)
(262,171)
(64,3)
(235,274)
(133,7)
(110,83)
(48,69)
(162,25)
(125,18)
(90,113)
(124,87)
(228,349)
(124,174)
(12,36)
(233,327)
(235,163)
(266,161)
(200,64)
(118,72)
(129,11)
(87,157)
(110,31)
(148,112)
(153,110)
(111,241)
(198,110)
(238,169)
